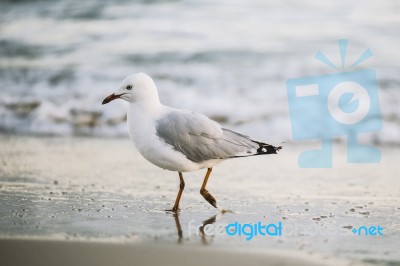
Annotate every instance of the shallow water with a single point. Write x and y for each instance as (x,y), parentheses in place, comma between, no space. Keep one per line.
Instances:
(98,189)
(227,59)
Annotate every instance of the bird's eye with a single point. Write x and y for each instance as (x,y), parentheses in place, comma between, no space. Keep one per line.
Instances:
(129,87)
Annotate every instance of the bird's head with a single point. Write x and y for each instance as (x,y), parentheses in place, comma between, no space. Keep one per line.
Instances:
(138,87)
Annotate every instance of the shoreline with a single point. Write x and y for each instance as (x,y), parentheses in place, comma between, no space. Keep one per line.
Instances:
(91,190)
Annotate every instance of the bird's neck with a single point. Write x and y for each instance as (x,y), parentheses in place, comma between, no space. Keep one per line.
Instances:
(148,106)
(144,111)
(141,119)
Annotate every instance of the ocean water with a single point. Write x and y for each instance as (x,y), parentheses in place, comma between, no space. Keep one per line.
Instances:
(227,59)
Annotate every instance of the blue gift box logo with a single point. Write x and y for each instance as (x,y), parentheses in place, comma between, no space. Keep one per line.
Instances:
(340,104)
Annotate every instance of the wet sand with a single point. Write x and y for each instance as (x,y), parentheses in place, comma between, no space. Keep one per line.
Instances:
(47,252)
(77,197)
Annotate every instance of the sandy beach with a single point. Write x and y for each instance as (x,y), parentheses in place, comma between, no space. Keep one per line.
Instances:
(77,197)
(47,252)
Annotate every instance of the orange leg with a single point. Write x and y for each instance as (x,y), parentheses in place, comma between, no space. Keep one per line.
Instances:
(205,193)
(178,197)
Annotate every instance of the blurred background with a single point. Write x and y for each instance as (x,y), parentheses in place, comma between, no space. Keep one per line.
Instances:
(227,59)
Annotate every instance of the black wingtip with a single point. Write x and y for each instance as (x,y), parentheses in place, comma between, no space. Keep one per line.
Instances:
(268,149)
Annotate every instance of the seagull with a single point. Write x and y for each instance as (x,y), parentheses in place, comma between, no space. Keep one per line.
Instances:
(180,140)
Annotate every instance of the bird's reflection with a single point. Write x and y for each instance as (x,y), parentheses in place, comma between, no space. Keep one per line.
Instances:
(205,239)
(203,236)
(178,227)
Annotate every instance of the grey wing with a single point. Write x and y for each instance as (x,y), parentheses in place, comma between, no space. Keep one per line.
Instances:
(201,139)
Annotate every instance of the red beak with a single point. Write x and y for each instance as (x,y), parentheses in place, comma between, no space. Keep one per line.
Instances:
(111,97)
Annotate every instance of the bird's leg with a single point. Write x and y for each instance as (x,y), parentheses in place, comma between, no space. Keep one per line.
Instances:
(205,193)
(178,197)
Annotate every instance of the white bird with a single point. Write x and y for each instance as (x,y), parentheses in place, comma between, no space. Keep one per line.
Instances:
(179,140)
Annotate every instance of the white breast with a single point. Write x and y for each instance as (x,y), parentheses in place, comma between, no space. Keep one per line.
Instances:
(142,130)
